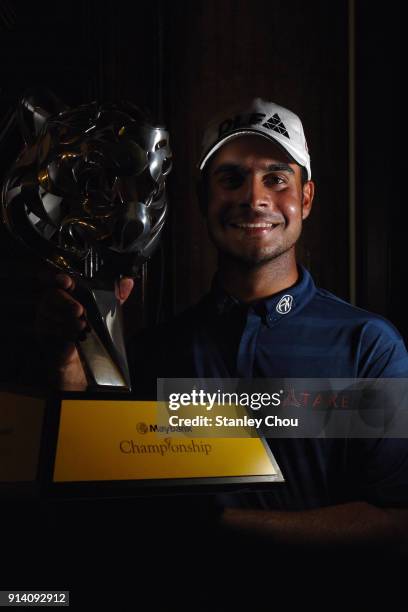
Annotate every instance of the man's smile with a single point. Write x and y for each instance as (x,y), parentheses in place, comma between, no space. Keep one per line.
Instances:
(257,228)
(252,224)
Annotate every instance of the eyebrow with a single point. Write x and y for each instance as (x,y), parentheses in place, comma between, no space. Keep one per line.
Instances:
(231,167)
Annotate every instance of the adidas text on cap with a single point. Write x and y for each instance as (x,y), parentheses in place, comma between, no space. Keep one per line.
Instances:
(262,118)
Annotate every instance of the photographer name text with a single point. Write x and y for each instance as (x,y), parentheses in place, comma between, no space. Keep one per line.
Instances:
(224,421)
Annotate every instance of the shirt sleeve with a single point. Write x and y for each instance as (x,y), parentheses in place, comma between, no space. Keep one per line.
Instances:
(382,352)
(378,468)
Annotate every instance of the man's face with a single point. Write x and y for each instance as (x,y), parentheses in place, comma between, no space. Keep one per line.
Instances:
(256,201)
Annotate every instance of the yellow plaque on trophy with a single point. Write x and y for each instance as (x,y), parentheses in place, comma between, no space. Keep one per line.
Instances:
(119,440)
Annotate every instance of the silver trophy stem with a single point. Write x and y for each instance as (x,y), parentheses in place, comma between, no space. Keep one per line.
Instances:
(103,351)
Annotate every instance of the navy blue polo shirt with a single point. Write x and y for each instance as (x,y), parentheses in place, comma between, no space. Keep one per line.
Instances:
(301,332)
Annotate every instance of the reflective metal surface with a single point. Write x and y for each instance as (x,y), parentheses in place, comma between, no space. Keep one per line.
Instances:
(87,193)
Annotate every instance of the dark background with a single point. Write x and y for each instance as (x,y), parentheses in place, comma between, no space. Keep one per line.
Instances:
(187,60)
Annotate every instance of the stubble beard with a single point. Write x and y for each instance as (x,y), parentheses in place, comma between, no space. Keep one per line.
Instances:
(252,258)
(252,261)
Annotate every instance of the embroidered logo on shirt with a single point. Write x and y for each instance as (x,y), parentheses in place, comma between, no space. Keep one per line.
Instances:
(285,304)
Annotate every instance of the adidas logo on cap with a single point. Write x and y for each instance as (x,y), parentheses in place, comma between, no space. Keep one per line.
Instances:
(239,121)
(267,119)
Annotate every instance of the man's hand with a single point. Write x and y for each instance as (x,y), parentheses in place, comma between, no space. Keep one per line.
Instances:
(61,322)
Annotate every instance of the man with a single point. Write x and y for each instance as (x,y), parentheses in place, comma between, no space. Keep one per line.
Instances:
(264,317)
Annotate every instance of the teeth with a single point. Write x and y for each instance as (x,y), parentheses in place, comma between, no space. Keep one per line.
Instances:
(244,225)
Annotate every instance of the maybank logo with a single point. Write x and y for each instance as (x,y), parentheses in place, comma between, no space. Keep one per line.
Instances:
(144,428)
(163,448)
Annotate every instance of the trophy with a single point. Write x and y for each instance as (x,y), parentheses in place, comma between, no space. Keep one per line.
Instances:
(87,194)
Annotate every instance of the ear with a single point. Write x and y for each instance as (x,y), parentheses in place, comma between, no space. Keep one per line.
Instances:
(308,195)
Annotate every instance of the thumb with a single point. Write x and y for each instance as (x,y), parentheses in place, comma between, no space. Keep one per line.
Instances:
(124,288)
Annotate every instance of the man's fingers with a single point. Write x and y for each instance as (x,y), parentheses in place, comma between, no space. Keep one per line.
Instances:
(63,304)
(49,277)
(65,281)
(124,288)
(60,324)
(60,318)
(61,329)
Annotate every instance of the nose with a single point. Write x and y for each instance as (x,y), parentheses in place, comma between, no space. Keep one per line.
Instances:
(254,193)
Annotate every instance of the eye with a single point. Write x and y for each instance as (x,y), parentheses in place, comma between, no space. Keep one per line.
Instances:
(231,180)
(273,180)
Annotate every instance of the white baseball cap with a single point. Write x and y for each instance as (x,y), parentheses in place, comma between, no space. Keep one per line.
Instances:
(261,118)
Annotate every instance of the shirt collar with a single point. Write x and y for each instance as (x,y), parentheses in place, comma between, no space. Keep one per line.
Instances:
(283,304)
